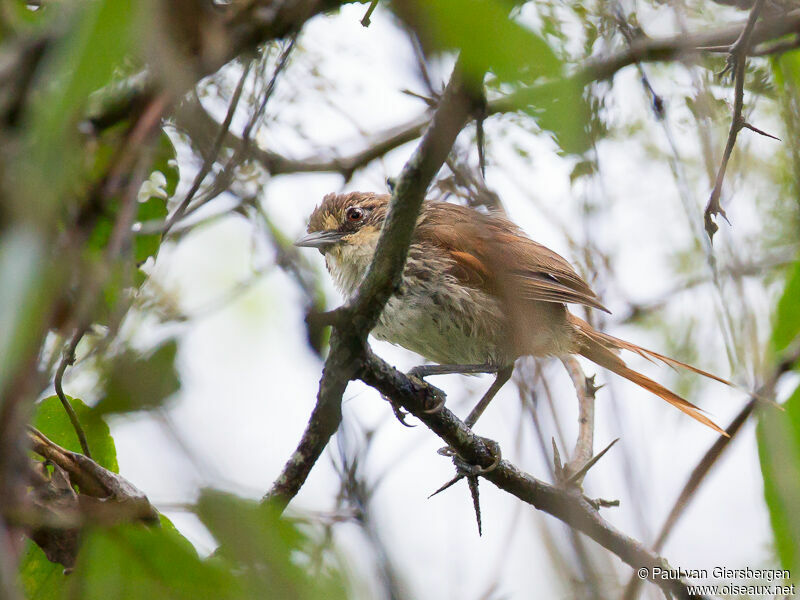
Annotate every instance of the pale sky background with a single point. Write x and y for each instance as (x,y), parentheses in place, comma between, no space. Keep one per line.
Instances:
(249,380)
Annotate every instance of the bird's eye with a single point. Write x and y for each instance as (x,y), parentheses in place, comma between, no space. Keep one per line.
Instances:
(354,214)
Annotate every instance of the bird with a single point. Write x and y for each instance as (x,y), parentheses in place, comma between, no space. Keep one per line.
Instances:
(476,290)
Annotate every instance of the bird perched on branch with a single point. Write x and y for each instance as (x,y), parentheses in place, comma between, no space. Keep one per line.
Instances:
(475,291)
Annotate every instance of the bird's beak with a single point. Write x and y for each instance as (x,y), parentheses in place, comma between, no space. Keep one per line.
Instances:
(319,239)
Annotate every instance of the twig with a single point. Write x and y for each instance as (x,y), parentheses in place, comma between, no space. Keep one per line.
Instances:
(365,21)
(68,358)
(223,180)
(737,61)
(208,163)
(584,445)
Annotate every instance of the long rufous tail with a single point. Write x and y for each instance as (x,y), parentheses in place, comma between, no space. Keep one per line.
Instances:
(602,349)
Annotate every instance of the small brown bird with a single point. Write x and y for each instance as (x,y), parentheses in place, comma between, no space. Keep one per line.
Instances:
(475,291)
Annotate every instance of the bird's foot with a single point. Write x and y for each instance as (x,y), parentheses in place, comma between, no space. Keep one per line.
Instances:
(398,411)
(435,397)
(435,394)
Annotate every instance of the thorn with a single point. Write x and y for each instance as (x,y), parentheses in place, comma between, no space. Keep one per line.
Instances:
(559,471)
(591,387)
(476,503)
(747,125)
(578,475)
(450,483)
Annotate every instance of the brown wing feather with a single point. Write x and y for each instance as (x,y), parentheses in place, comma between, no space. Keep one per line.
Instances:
(492,253)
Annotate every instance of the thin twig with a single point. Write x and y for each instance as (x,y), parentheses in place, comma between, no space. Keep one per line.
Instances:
(223,179)
(68,358)
(366,20)
(584,445)
(208,163)
(737,61)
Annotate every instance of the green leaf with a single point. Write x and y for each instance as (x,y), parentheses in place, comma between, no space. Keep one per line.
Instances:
(264,547)
(787,314)
(778,435)
(145,246)
(559,107)
(39,578)
(52,420)
(489,39)
(134,562)
(134,382)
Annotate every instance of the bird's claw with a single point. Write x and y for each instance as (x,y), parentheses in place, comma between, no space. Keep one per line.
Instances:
(398,411)
(440,398)
(435,392)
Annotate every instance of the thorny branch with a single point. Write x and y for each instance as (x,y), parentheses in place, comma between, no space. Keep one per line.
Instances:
(567,505)
(737,61)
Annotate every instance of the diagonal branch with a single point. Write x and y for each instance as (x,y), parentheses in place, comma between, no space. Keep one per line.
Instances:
(568,505)
(712,455)
(353,322)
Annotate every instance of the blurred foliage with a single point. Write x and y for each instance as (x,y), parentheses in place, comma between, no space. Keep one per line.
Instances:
(779,433)
(523,58)
(261,556)
(73,173)
(474,27)
(99,38)
(136,382)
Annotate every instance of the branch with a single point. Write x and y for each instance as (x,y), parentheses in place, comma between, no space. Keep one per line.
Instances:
(192,117)
(584,445)
(568,505)
(353,322)
(737,61)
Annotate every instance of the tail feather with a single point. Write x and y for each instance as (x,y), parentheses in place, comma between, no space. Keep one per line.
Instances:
(600,349)
(650,354)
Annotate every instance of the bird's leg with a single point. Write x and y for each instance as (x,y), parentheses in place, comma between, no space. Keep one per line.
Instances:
(423,371)
(463,468)
(503,375)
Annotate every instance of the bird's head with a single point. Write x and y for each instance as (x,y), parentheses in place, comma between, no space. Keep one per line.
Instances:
(353,219)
